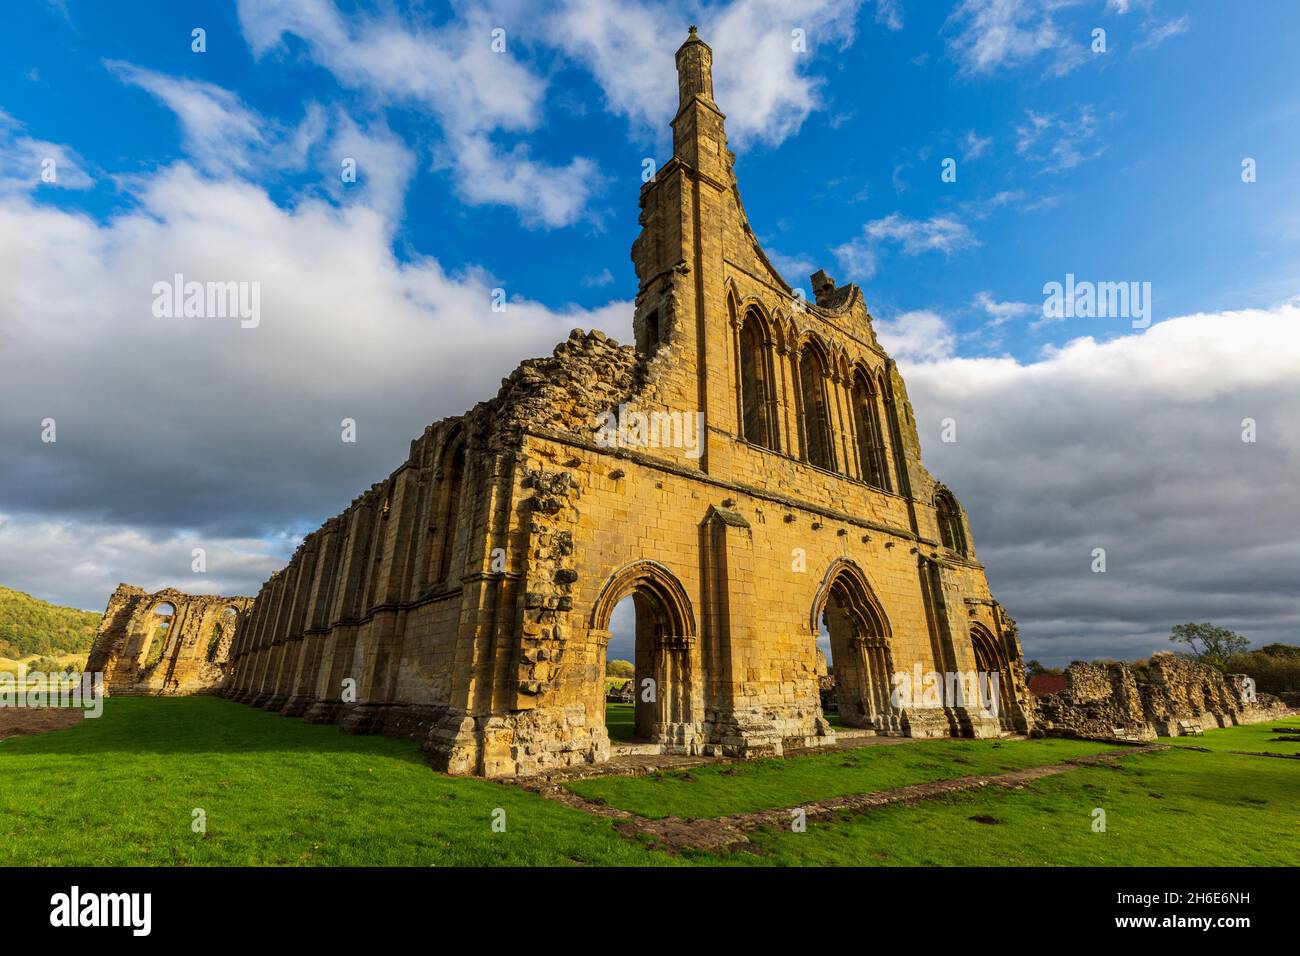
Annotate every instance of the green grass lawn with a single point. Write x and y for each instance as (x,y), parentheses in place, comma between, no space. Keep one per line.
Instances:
(1171,808)
(120,790)
(620,720)
(1249,737)
(719,790)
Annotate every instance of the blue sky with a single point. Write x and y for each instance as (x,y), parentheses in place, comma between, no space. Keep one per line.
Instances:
(521,169)
(1140,151)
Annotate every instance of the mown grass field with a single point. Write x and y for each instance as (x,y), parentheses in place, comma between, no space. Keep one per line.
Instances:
(765,784)
(620,721)
(122,790)
(1248,737)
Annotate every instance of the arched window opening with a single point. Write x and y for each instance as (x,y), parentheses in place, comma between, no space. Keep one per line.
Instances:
(620,673)
(755,388)
(816,421)
(453,479)
(871,438)
(160,632)
(951,532)
(223,633)
(891,433)
(653,334)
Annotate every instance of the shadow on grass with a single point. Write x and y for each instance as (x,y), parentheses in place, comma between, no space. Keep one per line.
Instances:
(189,725)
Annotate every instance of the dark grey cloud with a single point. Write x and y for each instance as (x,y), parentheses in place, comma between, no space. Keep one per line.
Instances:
(1135,446)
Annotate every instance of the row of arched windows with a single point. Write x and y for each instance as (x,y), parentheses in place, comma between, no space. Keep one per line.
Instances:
(867,433)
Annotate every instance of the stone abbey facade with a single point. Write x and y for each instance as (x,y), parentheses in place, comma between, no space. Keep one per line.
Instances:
(748,473)
(165,643)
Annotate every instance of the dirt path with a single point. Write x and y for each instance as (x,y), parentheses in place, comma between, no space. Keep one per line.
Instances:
(731,832)
(21,721)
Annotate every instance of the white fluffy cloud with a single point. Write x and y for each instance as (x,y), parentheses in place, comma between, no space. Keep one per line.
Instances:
(1059,143)
(943,233)
(452,73)
(1132,445)
(219,132)
(989,35)
(921,335)
(481,97)
(1000,313)
(889,14)
(629,48)
(81,563)
(230,432)
(27,163)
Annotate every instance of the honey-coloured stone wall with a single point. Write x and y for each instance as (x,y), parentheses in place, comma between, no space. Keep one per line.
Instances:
(166,643)
(747,472)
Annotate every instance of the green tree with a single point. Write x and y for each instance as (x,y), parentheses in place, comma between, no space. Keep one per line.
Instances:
(1273,673)
(1033,668)
(1209,644)
(620,669)
(1280,650)
(31,626)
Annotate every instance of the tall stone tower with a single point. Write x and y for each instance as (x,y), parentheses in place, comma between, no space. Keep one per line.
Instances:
(748,475)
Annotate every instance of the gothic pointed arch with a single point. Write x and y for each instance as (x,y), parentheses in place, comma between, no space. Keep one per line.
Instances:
(665,658)
(814,406)
(161,628)
(757,390)
(444,516)
(872,459)
(994,674)
(892,434)
(653,580)
(952,530)
(861,647)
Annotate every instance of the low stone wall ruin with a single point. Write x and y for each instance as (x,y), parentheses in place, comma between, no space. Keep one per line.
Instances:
(1168,697)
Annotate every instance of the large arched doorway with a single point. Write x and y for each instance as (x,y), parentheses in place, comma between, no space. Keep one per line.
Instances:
(992,663)
(860,657)
(657,634)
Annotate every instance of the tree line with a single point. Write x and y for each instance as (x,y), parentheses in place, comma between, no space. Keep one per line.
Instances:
(29,626)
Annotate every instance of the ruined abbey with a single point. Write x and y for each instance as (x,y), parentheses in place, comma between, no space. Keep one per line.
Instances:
(165,643)
(763,485)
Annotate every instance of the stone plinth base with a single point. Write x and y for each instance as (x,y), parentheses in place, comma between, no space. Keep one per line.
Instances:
(323,712)
(296,705)
(932,722)
(363,719)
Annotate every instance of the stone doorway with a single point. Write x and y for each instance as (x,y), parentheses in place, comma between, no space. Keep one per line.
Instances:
(988,661)
(860,656)
(648,617)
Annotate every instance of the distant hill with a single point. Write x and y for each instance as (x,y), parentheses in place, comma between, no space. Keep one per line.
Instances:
(31,626)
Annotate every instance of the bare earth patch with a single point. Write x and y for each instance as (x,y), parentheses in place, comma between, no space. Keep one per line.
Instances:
(21,721)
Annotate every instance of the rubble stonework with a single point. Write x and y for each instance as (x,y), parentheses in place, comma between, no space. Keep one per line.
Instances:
(1168,697)
(465,601)
(194,656)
